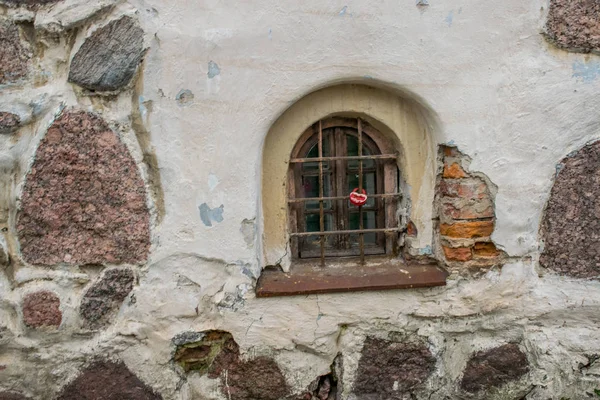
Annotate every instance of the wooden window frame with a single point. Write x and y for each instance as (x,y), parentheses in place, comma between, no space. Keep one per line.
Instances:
(385,158)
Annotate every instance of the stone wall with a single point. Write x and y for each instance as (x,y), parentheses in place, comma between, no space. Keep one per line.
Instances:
(132,205)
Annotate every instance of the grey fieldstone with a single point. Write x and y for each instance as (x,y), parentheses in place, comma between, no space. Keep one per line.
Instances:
(108,59)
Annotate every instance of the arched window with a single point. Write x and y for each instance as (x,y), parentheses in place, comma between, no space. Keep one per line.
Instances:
(323,147)
(332,159)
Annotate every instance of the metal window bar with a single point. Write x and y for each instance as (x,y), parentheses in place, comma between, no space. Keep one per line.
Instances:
(321,199)
(346,232)
(321,213)
(361,236)
(346,158)
(375,196)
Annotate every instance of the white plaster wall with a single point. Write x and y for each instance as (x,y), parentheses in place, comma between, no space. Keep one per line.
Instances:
(501,94)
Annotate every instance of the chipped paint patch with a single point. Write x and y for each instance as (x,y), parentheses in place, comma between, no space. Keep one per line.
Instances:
(450,18)
(213,182)
(586,72)
(248,230)
(209,215)
(213,69)
(185,97)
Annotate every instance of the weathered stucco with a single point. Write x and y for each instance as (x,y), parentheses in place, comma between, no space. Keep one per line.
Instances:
(207,122)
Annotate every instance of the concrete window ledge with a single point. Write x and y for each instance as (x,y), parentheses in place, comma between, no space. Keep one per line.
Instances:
(310,278)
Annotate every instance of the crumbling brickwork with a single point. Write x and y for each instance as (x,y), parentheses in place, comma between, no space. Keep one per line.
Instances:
(466,210)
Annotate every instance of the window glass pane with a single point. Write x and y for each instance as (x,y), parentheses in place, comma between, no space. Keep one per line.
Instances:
(311,189)
(313,224)
(369,184)
(369,222)
(314,153)
(352,150)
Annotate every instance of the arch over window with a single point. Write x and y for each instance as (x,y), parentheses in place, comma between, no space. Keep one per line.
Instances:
(299,176)
(327,163)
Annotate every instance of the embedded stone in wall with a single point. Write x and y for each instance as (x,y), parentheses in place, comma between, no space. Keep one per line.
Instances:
(4,257)
(389,369)
(8,122)
(108,59)
(208,352)
(11,396)
(105,296)
(466,209)
(14,56)
(259,378)
(571,222)
(84,201)
(107,380)
(493,368)
(574,25)
(29,2)
(42,309)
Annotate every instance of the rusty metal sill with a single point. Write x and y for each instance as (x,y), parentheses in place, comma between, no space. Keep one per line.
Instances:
(350,277)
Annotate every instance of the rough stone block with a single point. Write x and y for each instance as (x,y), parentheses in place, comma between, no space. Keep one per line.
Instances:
(458,253)
(574,25)
(389,370)
(108,59)
(208,352)
(105,296)
(493,368)
(259,378)
(14,55)
(571,223)
(110,381)
(467,229)
(4,256)
(84,201)
(42,309)
(8,122)
(28,2)
(11,396)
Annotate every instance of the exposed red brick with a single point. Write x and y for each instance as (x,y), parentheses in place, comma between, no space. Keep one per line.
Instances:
(41,309)
(473,188)
(451,151)
(84,201)
(454,171)
(467,229)
(458,253)
(485,249)
(467,211)
(411,229)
